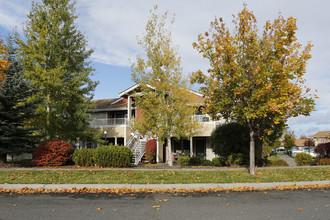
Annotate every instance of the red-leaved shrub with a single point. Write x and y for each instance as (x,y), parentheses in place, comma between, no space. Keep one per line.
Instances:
(151,149)
(323,150)
(53,153)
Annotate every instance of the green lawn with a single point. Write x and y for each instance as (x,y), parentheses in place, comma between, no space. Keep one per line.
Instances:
(274,158)
(161,176)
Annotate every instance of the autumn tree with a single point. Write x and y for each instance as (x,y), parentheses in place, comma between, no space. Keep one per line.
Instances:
(3,61)
(254,76)
(309,142)
(55,58)
(16,108)
(289,140)
(166,103)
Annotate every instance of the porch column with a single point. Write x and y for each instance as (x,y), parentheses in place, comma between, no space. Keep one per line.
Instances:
(129,109)
(157,152)
(125,135)
(115,140)
(191,147)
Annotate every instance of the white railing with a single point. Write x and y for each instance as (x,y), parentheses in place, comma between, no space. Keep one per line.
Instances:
(202,118)
(108,122)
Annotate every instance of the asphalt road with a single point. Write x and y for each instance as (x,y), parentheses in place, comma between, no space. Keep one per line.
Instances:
(298,204)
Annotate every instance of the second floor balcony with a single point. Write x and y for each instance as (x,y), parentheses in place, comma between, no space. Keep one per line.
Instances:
(108,122)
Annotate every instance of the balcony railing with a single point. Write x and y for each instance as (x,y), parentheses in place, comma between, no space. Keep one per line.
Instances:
(108,122)
(202,118)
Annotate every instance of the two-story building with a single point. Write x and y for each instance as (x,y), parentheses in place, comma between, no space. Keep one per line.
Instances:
(321,137)
(113,117)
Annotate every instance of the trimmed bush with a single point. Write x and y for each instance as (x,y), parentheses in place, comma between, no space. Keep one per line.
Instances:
(53,153)
(113,156)
(324,161)
(195,161)
(151,150)
(219,162)
(183,161)
(303,159)
(279,163)
(230,138)
(84,157)
(323,150)
(206,163)
(237,159)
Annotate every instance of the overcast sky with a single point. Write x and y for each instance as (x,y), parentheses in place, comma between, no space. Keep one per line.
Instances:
(111,28)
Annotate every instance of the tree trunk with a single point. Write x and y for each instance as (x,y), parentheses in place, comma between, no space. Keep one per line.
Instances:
(170,155)
(252,153)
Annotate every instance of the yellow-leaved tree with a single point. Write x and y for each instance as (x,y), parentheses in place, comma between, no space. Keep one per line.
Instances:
(166,102)
(3,62)
(255,78)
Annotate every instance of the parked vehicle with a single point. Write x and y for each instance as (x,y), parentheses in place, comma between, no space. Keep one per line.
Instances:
(294,151)
(309,150)
(279,151)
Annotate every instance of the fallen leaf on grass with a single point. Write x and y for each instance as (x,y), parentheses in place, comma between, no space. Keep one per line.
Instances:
(99,209)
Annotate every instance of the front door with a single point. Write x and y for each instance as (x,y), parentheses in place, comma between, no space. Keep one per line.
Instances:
(200,147)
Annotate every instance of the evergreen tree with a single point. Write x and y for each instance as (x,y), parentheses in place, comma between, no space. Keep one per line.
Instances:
(15,108)
(55,60)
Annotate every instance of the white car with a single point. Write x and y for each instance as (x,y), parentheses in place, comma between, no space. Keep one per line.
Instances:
(310,151)
(294,151)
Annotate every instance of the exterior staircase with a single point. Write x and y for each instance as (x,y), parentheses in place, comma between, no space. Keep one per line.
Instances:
(137,145)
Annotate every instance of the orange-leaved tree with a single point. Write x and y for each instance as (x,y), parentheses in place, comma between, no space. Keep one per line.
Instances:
(3,61)
(255,76)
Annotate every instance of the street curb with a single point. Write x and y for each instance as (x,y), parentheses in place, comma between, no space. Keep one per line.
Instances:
(163,186)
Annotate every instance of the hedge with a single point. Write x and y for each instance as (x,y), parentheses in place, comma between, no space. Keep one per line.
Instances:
(84,157)
(113,156)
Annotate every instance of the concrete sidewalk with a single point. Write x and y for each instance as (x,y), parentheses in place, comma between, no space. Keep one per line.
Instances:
(162,186)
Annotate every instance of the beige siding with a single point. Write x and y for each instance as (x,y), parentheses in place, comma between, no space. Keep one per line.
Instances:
(209,152)
(206,130)
(116,132)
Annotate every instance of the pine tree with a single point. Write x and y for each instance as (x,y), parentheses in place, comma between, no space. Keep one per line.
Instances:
(55,59)
(15,108)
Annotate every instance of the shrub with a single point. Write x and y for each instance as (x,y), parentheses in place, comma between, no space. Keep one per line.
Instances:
(84,157)
(206,162)
(183,161)
(237,159)
(53,153)
(324,161)
(323,150)
(195,161)
(217,161)
(230,138)
(278,163)
(303,159)
(151,150)
(113,156)
(263,162)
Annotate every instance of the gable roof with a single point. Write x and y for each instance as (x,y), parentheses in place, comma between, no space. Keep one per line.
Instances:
(107,104)
(300,142)
(198,97)
(322,134)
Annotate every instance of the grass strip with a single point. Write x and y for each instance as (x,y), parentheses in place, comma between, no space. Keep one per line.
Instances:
(160,176)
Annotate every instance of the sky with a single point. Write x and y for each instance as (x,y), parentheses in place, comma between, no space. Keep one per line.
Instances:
(111,28)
